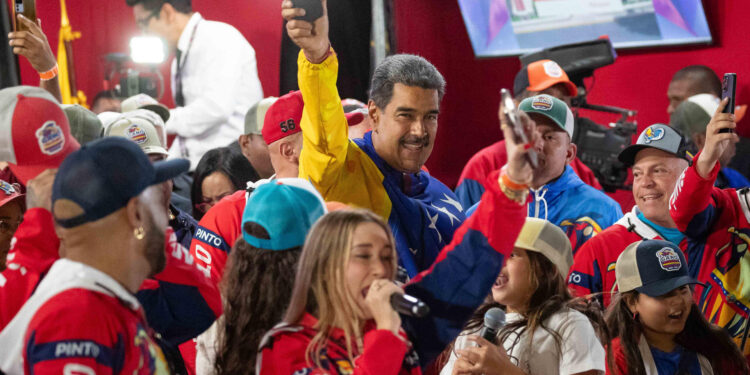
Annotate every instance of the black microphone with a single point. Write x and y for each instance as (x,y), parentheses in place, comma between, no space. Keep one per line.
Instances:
(408,305)
(494,319)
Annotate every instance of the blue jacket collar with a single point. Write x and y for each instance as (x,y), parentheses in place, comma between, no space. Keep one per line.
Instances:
(568,180)
(411,184)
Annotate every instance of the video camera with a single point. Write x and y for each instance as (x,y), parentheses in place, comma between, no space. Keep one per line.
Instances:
(126,79)
(598,145)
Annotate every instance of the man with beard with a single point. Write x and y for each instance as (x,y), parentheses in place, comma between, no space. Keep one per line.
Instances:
(83,316)
(557,193)
(383,170)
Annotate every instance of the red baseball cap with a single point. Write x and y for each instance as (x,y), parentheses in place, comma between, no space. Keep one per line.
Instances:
(9,193)
(284,116)
(541,75)
(34,132)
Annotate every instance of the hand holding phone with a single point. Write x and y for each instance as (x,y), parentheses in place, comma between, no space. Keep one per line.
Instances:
(514,121)
(729,90)
(313,9)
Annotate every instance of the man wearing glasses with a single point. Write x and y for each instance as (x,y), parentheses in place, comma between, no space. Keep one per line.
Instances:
(11,214)
(214,76)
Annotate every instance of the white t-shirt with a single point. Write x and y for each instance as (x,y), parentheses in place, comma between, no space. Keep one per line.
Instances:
(581,349)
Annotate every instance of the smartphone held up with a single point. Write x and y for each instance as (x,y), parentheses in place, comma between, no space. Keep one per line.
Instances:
(514,120)
(729,90)
(28,9)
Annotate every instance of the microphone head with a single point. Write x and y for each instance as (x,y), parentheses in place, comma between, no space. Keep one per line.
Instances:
(494,318)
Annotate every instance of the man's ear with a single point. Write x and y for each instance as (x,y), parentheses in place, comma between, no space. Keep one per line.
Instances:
(244,142)
(374,113)
(134,213)
(286,149)
(571,154)
(168,12)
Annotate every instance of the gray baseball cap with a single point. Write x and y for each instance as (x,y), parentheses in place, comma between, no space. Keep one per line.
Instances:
(143,101)
(658,136)
(85,126)
(256,114)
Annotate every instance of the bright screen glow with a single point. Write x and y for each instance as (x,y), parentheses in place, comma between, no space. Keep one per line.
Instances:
(147,50)
(514,27)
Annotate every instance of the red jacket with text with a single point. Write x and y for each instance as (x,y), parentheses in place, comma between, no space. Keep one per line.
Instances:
(717,224)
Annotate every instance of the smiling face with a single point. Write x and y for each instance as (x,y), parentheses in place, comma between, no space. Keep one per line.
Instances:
(655,174)
(665,315)
(404,131)
(513,287)
(371,258)
(554,149)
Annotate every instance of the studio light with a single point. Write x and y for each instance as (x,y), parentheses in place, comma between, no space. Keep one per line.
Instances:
(147,50)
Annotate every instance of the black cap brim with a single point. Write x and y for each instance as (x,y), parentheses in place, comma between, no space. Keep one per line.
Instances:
(662,287)
(169,169)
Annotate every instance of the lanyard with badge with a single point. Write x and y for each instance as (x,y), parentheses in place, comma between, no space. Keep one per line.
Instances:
(179,97)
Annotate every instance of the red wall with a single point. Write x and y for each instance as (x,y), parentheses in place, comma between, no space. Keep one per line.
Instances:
(435,30)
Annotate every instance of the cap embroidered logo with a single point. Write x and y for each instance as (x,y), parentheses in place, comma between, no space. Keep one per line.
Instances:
(7,188)
(50,138)
(137,135)
(668,259)
(552,69)
(654,134)
(542,103)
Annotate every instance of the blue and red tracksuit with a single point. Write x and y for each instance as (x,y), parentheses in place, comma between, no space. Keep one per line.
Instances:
(494,157)
(578,209)
(453,287)
(717,224)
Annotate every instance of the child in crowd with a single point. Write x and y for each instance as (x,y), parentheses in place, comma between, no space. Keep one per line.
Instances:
(545,332)
(657,326)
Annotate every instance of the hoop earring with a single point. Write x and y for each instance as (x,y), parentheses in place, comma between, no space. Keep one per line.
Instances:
(139,233)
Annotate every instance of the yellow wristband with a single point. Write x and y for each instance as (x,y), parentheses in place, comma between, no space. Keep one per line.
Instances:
(48,75)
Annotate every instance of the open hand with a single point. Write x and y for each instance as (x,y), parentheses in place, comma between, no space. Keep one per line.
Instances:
(312,38)
(33,45)
(716,142)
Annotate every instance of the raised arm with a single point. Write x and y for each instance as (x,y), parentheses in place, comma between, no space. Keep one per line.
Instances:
(33,45)
(695,204)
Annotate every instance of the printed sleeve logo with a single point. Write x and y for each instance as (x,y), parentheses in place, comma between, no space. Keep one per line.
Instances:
(552,69)
(668,259)
(542,103)
(654,134)
(50,138)
(136,134)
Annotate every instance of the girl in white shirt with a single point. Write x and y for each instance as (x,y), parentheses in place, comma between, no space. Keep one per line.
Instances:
(545,333)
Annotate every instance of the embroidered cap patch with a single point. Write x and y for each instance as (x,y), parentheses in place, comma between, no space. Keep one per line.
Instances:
(668,259)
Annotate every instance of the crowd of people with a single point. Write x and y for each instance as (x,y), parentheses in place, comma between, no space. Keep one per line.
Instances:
(282,235)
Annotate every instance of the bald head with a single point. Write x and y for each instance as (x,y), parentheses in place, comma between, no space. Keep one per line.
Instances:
(692,80)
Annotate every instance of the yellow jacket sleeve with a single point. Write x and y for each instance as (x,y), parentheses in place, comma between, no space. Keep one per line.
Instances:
(339,169)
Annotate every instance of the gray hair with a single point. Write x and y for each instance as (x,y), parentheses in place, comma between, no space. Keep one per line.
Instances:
(410,70)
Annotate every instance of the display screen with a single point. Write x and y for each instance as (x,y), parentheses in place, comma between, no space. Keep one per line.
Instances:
(514,27)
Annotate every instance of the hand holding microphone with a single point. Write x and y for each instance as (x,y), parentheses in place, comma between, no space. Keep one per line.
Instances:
(386,300)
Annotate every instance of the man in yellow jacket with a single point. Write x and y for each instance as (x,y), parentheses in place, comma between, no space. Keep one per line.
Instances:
(383,170)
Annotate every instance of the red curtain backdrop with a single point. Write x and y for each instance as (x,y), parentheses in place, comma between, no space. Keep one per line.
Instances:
(435,30)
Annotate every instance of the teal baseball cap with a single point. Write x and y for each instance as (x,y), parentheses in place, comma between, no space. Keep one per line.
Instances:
(552,108)
(286,208)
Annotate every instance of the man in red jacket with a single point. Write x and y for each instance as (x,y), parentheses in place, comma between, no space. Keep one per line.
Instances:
(658,158)
(718,223)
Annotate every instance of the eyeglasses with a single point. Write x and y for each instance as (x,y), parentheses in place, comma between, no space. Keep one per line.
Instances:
(9,226)
(143,22)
